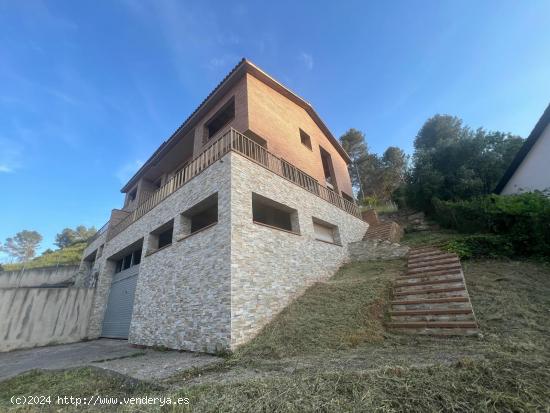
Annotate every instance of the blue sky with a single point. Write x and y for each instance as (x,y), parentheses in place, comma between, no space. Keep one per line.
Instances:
(90,89)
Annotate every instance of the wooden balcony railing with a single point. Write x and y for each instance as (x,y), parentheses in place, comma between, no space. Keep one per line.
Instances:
(232,140)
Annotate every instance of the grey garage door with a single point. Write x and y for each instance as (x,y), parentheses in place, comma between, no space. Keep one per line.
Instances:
(116,323)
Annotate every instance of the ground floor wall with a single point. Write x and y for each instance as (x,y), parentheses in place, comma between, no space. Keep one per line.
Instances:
(215,289)
(182,298)
(31,317)
(270,267)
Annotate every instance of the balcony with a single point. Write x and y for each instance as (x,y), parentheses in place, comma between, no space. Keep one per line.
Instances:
(235,141)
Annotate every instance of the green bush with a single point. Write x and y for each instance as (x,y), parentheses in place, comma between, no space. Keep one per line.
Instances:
(520,222)
(481,245)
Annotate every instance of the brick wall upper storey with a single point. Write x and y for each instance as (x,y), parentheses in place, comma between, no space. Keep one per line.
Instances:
(278,120)
(262,108)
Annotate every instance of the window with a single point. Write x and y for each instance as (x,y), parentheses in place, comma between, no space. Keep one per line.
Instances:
(132,195)
(328,170)
(305,139)
(271,213)
(128,261)
(165,237)
(325,231)
(200,215)
(136,257)
(161,237)
(225,115)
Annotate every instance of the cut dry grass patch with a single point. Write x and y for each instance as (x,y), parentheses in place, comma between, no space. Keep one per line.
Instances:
(328,352)
(341,313)
(80,382)
(468,386)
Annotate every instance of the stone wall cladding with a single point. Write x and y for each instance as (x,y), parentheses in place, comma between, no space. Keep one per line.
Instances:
(216,289)
(182,297)
(369,250)
(269,267)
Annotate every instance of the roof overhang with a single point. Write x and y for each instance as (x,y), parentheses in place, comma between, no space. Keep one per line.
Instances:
(534,136)
(234,76)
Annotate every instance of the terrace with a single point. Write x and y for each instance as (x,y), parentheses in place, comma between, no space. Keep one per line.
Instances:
(231,140)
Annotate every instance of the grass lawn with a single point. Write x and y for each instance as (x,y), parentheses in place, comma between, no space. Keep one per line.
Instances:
(329,352)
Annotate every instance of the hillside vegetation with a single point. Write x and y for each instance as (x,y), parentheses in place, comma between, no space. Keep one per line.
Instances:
(69,255)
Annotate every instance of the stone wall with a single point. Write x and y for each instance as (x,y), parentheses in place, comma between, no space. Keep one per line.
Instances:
(375,249)
(182,296)
(217,288)
(271,267)
(36,277)
(31,317)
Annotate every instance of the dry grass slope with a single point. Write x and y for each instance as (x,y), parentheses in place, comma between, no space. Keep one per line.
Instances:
(329,352)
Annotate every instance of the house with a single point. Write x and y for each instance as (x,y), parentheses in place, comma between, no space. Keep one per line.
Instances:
(529,169)
(247,204)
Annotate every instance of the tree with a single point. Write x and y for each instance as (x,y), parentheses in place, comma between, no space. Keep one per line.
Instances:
(438,130)
(23,245)
(69,236)
(394,162)
(353,142)
(453,162)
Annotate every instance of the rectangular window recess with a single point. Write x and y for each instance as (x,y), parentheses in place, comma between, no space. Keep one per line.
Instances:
(274,214)
(201,215)
(222,117)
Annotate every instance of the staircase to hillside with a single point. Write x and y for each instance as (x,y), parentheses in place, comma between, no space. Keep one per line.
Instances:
(381,230)
(431,298)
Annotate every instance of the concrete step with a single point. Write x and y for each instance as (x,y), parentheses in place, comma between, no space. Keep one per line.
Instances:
(423,287)
(438,331)
(441,315)
(455,273)
(413,279)
(459,291)
(432,257)
(433,268)
(429,282)
(436,324)
(414,254)
(442,261)
(445,303)
(436,328)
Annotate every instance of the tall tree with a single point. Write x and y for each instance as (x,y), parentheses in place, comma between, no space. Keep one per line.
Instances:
(354,143)
(69,236)
(394,162)
(453,162)
(23,245)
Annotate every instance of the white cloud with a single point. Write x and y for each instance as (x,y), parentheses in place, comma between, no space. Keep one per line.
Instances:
(126,171)
(307,60)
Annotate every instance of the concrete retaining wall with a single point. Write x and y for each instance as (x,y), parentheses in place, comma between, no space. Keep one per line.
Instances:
(31,317)
(36,277)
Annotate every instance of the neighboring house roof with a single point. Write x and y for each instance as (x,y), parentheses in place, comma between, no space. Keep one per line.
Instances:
(524,150)
(243,67)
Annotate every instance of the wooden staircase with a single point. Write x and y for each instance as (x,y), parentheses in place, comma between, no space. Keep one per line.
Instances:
(431,298)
